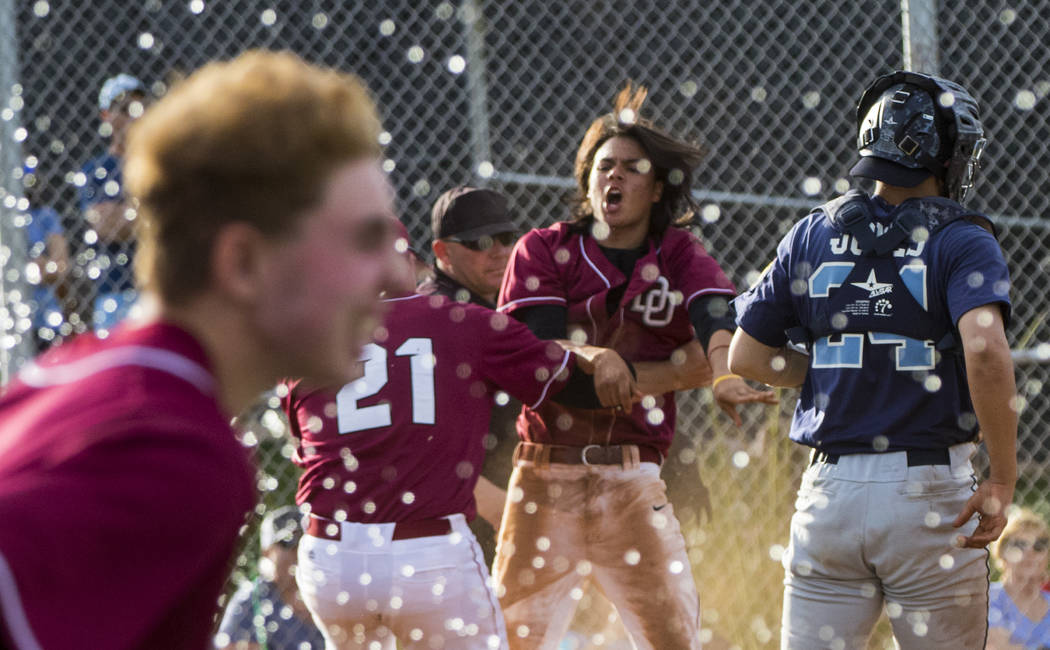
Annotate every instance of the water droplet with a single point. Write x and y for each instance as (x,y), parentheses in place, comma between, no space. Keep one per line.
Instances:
(457,64)
(811,186)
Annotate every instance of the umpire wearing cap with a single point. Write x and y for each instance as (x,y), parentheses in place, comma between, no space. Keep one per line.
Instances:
(473,234)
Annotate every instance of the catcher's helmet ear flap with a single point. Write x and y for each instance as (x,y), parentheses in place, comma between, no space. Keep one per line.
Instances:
(911,125)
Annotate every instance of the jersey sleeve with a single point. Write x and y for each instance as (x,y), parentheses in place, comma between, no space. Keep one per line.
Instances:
(532,276)
(695,273)
(977,273)
(765,311)
(514,360)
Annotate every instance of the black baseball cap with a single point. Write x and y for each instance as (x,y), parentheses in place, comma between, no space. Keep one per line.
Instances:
(889,172)
(470,213)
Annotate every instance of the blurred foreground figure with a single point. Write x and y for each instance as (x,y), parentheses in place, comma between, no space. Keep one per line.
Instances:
(266,235)
(900,298)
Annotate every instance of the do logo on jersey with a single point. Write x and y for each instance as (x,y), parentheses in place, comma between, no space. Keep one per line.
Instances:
(656,305)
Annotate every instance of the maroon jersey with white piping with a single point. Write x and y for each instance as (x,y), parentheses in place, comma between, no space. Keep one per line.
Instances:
(404,442)
(556,266)
(122,491)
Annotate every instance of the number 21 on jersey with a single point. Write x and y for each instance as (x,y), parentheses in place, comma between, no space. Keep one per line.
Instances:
(353,417)
(847,351)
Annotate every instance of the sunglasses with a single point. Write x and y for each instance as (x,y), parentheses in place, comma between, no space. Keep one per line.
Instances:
(486,242)
(1023,545)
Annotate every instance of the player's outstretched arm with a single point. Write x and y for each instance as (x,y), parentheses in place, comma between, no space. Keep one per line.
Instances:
(686,369)
(614,383)
(990,375)
(730,390)
(772,366)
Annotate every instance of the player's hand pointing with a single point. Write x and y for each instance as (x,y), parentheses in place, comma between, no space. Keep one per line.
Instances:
(731,391)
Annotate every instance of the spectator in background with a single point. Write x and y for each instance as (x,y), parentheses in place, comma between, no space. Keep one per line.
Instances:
(122,100)
(49,254)
(1018,608)
(473,234)
(267,613)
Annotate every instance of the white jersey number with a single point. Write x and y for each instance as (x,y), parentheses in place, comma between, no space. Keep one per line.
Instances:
(361,418)
(848,350)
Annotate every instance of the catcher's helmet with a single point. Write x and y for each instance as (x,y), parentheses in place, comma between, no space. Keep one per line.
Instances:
(911,125)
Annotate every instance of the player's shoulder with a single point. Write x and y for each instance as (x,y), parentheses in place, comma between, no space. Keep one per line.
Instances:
(966,243)
(680,240)
(559,233)
(415,303)
(966,229)
(433,315)
(456,317)
(135,372)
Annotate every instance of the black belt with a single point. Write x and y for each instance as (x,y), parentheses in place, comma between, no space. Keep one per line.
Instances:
(588,455)
(916,457)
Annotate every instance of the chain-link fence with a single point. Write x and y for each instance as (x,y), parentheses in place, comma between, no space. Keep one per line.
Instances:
(498,94)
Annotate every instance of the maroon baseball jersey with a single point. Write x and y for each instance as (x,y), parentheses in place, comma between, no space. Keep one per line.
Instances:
(404,442)
(122,490)
(554,266)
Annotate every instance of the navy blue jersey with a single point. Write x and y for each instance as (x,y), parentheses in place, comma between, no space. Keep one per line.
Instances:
(876,391)
(105,182)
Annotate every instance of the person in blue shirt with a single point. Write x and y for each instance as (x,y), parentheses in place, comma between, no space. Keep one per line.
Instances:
(1019,609)
(267,612)
(122,99)
(888,309)
(49,253)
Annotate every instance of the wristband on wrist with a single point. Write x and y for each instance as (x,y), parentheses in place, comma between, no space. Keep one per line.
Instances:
(728,375)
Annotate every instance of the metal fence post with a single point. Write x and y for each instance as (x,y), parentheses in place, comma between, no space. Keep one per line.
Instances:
(919,36)
(480,146)
(14,312)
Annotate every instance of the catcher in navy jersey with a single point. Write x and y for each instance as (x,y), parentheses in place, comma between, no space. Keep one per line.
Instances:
(901,298)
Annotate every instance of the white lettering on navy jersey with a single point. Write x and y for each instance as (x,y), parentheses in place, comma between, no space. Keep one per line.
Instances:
(839,245)
(847,350)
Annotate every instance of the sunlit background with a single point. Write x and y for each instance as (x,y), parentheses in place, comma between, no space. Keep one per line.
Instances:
(498,94)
